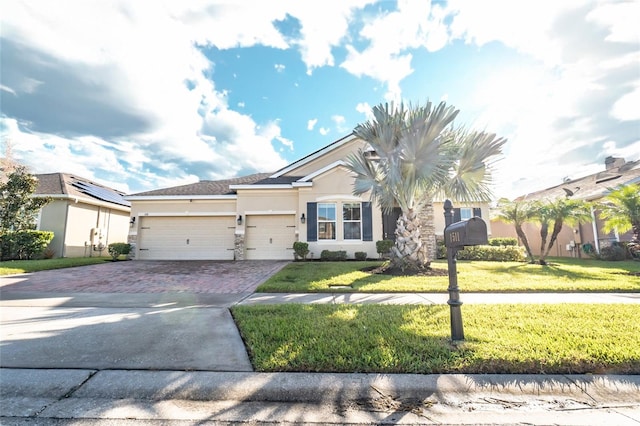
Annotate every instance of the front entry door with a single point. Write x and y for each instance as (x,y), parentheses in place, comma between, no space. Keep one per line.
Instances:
(389,221)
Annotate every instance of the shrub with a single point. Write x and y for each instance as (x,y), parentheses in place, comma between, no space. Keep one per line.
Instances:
(441,249)
(612,253)
(360,255)
(493,253)
(116,249)
(383,247)
(301,249)
(23,245)
(333,255)
(506,241)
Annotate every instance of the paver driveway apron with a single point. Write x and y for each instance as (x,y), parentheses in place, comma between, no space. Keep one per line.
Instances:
(164,315)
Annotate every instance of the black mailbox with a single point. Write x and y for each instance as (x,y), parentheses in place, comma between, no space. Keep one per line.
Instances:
(472,232)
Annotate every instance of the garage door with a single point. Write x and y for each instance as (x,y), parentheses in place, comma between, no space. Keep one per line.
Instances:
(270,237)
(186,238)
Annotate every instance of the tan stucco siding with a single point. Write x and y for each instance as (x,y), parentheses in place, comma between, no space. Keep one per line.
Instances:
(53,217)
(329,158)
(335,186)
(181,207)
(438,215)
(113,227)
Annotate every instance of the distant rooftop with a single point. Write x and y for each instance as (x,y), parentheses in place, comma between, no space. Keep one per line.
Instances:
(76,186)
(617,172)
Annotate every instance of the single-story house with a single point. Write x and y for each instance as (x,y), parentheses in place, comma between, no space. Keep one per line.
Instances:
(592,188)
(84,216)
(260,216)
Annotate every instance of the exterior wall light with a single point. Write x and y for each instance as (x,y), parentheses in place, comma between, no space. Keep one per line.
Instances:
(239,219)
(132,222)
(303,219)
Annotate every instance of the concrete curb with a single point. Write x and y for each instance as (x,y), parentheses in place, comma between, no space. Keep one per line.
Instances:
(312,388)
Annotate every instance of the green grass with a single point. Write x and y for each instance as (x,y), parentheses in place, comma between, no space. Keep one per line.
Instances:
(518,339)
(560,275)
(22,266)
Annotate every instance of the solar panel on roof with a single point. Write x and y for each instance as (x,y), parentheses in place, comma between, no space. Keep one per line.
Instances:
(101,193)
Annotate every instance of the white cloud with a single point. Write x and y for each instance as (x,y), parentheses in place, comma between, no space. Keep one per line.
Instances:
(415,24)
(279,67)
(340,123)
(626,108)
(130,50)
(312,123)
(324,131)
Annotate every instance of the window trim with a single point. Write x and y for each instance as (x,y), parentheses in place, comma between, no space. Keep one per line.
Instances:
(345,221)
(334,221)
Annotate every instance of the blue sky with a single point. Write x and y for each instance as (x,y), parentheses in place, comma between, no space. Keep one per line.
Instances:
(145,95)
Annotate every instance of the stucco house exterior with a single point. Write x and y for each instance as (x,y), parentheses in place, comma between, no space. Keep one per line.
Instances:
(260,216)
(592,188)
(84,216)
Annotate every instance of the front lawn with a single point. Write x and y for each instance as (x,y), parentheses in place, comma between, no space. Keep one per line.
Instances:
(549,339)
(21,266)
(561,274)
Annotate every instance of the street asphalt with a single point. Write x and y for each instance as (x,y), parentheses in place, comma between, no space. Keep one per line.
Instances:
(176,358)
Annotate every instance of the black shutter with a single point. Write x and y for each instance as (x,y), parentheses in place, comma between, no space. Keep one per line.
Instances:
(312,221)
(477,212)
(367,222)
(456,215)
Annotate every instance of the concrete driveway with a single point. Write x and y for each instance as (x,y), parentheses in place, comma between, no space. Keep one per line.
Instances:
(129,315)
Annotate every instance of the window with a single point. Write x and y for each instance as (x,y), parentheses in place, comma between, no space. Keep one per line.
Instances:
(351,221)
(326,221)
(466,213)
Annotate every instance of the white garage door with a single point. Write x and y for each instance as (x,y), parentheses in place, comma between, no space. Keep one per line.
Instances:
(270,237)
(186,238)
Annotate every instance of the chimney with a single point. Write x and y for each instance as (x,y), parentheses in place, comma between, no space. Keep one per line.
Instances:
(613,162)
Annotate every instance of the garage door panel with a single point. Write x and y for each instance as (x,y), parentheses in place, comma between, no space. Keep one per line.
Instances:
(187,238)
(270,237)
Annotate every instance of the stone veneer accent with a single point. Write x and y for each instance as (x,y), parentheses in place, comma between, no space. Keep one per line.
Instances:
(428,230)
(132,239)
(238,249)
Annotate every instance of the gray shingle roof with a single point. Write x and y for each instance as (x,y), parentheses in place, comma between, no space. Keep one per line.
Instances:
(206,187)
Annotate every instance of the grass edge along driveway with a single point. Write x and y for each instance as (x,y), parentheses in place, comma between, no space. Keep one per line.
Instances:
(505,339)
(562,275)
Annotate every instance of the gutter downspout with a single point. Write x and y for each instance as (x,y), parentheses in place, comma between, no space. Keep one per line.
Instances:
(595,230)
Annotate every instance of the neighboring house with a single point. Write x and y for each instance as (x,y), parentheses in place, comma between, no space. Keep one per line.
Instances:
(572,240)
(84,216)
(260,216)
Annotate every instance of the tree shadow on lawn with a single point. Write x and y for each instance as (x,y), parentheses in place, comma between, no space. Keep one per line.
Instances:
(549,270)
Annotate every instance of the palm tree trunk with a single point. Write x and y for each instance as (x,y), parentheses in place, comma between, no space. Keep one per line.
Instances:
(557,227)
(544,232)
(409,251)
(525,242)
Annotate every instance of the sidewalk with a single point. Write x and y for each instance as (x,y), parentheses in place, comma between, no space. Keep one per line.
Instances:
(439,298)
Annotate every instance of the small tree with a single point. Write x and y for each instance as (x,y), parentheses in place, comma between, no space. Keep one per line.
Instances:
(621,210)
(561,211)
(517,212)
(18,207)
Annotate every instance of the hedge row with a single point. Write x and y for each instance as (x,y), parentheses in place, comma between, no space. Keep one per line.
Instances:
(23,245)
(493,253)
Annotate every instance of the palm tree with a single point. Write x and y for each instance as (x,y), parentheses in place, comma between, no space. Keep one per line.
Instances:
(518,213)
(414,156)
(621,210)
(561,211)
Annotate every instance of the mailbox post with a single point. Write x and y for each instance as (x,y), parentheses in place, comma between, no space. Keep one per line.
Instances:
(456,236)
